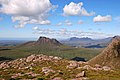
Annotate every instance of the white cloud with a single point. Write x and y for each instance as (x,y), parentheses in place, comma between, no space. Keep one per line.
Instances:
(54,8)
(4,1)
(80,22)
(35,28)
(69,33)
(74,9)
(62,31)
(22,21)
(100,18)
(59,24)
(19,18)
(45,22)
(21,24)
(68,23)
(26,7)
(29,11)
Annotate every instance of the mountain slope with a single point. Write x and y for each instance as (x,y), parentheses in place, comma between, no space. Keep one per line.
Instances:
(110,56)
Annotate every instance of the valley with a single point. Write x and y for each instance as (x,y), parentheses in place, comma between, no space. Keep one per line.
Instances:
(63,51)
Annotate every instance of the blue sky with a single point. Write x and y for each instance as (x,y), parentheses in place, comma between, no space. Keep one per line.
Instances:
(80,18)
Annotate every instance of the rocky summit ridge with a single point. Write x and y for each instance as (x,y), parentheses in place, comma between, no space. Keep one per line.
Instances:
(110,55)
(42,67)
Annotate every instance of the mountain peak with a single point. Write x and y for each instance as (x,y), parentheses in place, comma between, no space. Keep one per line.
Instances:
(110,55)
(45,40)
(42,37)
(116,38)
(115,46)
(42,41)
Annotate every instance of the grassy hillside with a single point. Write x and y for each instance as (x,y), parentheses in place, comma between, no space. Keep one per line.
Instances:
(61,51)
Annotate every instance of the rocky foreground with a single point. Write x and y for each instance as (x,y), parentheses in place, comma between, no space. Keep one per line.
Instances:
(42,67)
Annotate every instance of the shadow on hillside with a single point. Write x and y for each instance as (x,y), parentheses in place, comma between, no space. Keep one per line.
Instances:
(78,59)
(4,49)
(4,59)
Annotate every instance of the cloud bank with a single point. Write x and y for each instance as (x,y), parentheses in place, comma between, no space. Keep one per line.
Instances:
(74,9)
(63,32)
(27,11)
(100,18)
(68,23)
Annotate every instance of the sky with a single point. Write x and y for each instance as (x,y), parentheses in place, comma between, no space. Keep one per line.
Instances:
(59,18)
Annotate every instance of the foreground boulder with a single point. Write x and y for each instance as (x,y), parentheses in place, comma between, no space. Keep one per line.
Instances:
(82,74)
(110,55)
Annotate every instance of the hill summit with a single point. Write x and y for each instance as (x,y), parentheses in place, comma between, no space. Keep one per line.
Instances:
(43,41)
(110,56)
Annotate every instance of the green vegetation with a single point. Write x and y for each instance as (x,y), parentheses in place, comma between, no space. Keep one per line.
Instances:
(61,51)
(103,75)
(60,71)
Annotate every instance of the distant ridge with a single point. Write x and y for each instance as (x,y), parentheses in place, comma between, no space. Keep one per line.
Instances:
(110,56)
(87,42)
(80,39)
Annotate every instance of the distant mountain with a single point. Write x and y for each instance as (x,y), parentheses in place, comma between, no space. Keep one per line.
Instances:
(43,41)
(87,42)
(105,40)
(11,42)
(80,39)
(110,56)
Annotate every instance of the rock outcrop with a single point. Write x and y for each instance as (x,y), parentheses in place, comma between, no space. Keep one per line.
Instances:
(42,67)
(110,55)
